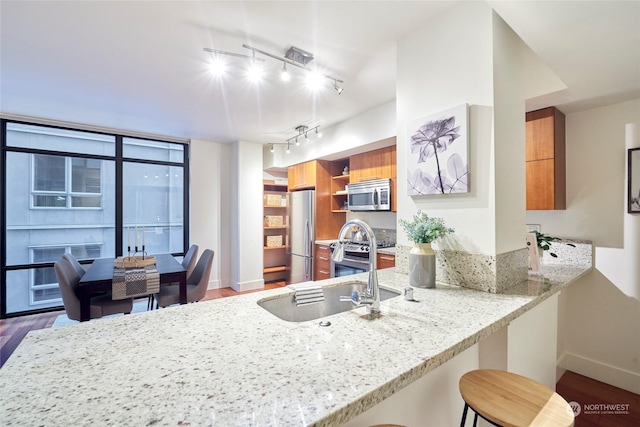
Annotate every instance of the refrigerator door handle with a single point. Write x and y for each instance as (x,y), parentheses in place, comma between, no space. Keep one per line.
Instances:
(307,276)
(307,238)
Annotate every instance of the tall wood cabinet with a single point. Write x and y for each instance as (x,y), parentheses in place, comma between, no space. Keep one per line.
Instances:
(318,174)
(545,155)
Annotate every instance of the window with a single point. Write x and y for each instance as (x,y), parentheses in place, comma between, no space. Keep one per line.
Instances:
(66,182)
(66,190)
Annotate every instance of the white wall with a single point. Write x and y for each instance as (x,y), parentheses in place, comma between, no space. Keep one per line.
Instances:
(598,322)
(210,198)
(346,137)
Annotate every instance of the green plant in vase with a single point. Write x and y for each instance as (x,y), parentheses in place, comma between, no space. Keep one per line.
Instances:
(544,243)
(422,230)
(425,229)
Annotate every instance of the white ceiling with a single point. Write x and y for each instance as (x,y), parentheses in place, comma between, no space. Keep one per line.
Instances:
(140,66)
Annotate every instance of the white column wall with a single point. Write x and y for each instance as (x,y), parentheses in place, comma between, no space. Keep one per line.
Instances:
(246,216)
(210,199)
(439,66)
(509,137)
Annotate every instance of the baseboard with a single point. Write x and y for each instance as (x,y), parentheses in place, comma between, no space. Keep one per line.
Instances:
(603,372)
(214,284)
(249,285)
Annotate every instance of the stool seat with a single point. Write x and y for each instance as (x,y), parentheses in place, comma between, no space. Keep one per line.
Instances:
(509,399)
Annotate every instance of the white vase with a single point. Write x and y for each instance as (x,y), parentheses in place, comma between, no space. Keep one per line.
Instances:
(422,266)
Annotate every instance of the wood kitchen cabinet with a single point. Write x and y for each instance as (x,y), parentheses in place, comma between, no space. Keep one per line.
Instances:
(376,164)
(322,262)
(317,175)
(385,260)
(302,176)
(545,160)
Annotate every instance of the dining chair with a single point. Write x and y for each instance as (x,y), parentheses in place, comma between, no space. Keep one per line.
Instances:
(188,262)
(197,283)
(76,265)
(101,305)
(190,258)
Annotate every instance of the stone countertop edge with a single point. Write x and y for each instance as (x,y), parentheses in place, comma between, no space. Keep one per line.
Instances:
(318,383)
(534,285)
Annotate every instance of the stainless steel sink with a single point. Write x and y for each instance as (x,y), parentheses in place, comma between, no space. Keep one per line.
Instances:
(285,307)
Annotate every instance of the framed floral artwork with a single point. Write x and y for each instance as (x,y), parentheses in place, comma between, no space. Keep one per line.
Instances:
(438,159)
(633,186)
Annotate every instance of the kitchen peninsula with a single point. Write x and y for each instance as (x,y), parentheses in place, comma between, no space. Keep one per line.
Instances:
(228,362)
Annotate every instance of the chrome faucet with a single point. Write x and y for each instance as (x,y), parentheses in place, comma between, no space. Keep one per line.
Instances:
(370,297)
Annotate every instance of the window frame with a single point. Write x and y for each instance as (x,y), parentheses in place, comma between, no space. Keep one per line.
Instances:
(118,159)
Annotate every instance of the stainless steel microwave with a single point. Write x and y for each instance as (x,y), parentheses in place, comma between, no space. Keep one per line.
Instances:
(370,195)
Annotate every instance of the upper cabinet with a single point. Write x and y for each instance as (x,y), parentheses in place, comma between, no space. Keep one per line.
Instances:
(376,164)
(372,165)
(545,152)
(302,176)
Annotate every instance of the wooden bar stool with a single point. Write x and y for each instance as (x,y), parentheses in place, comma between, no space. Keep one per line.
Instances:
(507,399)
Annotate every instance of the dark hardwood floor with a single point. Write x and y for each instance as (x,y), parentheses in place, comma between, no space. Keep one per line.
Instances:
(592,396)
(600,404)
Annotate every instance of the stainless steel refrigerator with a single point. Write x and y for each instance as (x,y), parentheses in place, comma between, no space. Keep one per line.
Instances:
(301,211)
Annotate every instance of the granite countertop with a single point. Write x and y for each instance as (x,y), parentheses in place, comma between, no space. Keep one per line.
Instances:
(229,362)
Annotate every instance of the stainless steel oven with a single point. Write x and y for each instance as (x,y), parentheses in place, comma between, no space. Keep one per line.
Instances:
(347,267)
(355,260)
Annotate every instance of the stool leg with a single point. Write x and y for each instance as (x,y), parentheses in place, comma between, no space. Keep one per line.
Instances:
(464,414)
(475,419)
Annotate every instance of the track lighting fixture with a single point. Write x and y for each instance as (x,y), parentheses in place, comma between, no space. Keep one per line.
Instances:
(294,56)
(303,132)
(337,88)
(284,75)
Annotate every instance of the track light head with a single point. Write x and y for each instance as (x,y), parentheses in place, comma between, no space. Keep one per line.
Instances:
(288,150)
(284,74)
(337,88)
(272,149)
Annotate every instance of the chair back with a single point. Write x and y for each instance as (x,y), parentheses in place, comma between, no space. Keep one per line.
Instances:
(200,276)
(189,260)
(68,280)
(76,265)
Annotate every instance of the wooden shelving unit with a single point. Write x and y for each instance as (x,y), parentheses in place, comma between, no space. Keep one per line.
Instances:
(339,181)
(275,229)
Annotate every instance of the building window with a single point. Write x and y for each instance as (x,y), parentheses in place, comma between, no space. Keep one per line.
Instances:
(66,182)
(44,282)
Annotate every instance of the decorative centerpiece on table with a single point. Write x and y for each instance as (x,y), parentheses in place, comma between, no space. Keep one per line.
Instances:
(422,231)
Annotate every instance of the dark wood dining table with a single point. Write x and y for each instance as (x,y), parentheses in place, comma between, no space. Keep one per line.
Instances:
(99,278)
